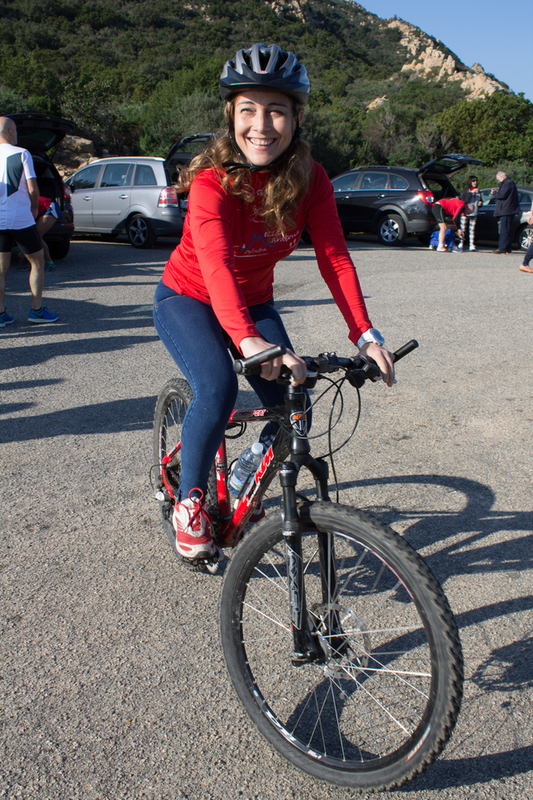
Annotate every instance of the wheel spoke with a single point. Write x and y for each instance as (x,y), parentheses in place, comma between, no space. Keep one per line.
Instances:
(378,684)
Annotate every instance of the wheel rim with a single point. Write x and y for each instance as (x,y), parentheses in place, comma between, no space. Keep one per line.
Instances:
(170,435)
(138,231)
(526,238)
(390,231)
(366,703)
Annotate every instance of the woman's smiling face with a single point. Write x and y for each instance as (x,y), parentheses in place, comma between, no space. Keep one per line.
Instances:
(264,125)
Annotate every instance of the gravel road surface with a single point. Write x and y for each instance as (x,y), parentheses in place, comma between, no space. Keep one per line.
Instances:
(112,682)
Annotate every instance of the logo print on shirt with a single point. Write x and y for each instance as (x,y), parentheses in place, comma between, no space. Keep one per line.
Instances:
(257,238)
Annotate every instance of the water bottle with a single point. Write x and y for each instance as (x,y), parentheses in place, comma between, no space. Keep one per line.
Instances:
(245,466)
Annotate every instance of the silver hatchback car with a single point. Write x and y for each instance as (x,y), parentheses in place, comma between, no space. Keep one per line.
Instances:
(131,194)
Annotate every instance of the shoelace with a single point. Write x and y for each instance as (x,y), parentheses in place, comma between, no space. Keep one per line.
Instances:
(195,522)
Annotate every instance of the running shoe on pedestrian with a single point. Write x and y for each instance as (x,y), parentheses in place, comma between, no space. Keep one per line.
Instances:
(49,266)
(441,249)
(6,318)
(526,268)
(193,538)
(42,315)
(472,248)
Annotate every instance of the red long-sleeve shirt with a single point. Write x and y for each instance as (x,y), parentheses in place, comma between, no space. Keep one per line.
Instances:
(226,256)
(453,206)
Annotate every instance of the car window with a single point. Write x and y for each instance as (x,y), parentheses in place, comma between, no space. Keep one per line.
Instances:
(487,198)
(345,183)
(398,182)
(374,181)
(145,176)
(85,179)
(440,190)
(116,175)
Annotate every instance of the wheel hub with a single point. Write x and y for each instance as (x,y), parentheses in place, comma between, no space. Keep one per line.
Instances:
(340,634)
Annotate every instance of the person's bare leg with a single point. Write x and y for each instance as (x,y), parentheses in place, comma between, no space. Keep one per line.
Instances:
(36,278)
(46,251)
(5,258)
(442,233)
(43,225)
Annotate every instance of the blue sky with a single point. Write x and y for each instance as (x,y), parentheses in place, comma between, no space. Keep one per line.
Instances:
(494,33)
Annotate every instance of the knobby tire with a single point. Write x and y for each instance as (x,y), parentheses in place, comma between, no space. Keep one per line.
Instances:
(384,701)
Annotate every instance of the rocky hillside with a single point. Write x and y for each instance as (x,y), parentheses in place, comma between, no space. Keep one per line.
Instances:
(430,59)
(137,76)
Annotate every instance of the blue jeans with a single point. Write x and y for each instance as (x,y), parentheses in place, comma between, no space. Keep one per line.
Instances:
(196,341)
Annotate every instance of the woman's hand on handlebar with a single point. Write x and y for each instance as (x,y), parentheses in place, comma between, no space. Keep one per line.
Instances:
(383,359)
(270,369)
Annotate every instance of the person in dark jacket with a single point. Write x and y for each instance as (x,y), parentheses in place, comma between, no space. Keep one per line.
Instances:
(507,206)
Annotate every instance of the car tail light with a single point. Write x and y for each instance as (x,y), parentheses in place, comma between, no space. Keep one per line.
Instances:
(427,197)
(67,194)
(168,197)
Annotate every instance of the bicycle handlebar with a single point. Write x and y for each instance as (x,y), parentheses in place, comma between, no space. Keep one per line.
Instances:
(252,365)
(358,368)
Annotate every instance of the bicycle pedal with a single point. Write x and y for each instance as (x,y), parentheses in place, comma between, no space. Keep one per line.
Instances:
(206,564)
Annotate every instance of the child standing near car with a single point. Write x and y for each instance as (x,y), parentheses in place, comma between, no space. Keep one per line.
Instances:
(471,197)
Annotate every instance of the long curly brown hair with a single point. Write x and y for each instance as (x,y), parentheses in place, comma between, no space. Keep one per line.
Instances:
(286,186)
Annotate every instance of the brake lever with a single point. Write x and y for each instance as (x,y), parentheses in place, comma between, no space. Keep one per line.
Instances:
(370,371)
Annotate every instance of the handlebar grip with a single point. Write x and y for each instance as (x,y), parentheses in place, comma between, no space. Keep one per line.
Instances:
(252,365)
(405,350)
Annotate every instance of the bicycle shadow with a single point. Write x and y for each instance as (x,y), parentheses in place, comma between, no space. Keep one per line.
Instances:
(450,774)
(466,528)
(117,416)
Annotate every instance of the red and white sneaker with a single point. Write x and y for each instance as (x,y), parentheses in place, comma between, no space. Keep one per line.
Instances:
(193,538)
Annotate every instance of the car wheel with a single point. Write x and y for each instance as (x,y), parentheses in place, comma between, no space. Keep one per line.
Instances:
(391,230)
(525,237)
(59,250)
(140,232)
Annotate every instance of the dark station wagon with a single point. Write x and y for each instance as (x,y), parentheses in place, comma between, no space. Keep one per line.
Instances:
(395,202)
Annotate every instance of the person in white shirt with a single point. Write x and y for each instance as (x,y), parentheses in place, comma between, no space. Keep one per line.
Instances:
(19,201)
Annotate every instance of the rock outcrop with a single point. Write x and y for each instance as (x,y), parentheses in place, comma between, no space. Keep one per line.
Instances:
(72,154)
(431,59)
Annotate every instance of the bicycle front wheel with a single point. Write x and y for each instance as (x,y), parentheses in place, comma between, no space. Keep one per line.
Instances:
(380,701)
(170,411)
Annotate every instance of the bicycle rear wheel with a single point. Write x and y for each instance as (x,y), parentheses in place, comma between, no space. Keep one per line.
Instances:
(170,411)
(380,702)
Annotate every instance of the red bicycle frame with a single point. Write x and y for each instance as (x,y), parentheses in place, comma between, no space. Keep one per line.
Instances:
(230,523)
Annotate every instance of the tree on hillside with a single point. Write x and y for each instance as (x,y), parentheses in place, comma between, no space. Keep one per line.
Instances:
(496,129)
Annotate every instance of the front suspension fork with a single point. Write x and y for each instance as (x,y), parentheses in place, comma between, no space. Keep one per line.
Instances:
(305,649)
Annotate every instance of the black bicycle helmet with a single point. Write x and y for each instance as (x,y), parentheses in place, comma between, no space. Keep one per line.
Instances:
(265,67)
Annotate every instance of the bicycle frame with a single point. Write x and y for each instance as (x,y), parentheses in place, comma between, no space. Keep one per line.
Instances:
(229,525)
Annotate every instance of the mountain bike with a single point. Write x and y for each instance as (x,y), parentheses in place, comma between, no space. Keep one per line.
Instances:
(339,641)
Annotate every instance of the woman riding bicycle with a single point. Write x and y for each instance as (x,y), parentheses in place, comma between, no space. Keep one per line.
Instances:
(250,195)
